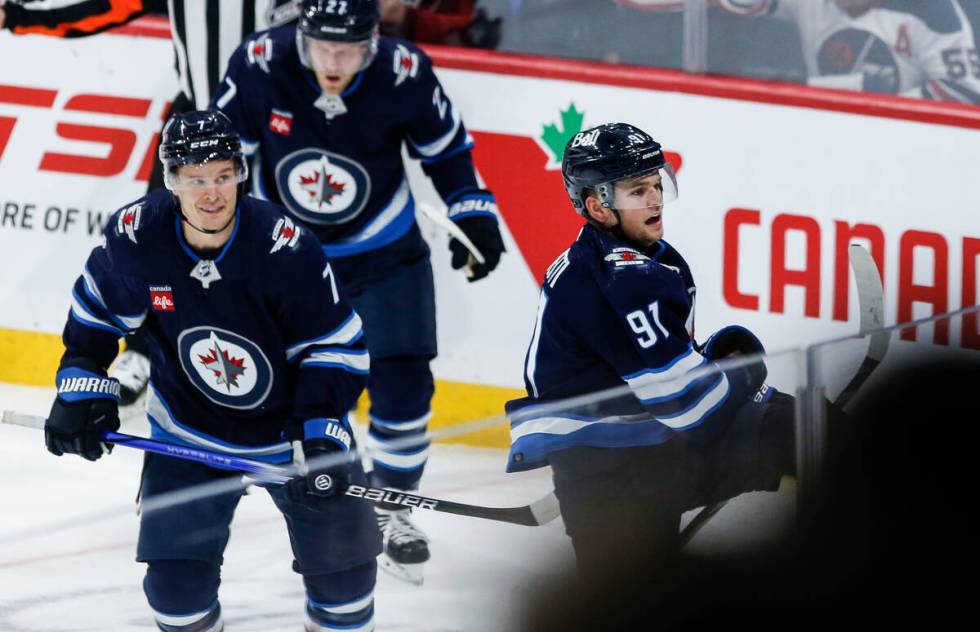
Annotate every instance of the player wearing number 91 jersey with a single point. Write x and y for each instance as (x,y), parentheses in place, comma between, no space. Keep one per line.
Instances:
(617,309)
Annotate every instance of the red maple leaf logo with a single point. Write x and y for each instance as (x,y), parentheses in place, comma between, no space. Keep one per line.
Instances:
(129,217)
(322,190)
(227,370)
(288,232)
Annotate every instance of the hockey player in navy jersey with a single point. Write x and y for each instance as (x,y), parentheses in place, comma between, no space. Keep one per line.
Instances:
(617,309)
(255,351)
(324,109)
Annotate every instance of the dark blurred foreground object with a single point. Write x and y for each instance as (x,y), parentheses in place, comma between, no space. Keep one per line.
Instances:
(888,540)
(453,22)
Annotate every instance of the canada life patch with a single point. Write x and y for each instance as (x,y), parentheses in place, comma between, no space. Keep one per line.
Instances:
(281,122)
(162,298)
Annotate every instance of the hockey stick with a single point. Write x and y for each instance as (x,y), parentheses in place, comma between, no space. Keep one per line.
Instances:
(872,308)
(440,219)
(537,513)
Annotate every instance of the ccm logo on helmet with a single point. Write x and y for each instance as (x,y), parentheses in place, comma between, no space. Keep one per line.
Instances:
(204,143)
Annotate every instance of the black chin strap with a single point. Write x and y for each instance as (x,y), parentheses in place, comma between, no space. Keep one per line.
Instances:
(207,231)
(617,229)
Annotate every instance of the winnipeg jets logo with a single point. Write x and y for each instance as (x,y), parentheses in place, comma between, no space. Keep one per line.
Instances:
(286,233)
(227,368)
(406,64)
(322,187)
(128,221)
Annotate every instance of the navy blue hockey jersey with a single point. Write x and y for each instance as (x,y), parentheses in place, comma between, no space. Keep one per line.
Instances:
(610,316)
(239,343)
(342,173)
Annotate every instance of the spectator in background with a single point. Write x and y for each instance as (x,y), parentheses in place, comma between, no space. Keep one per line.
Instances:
(913,49)
(454,22)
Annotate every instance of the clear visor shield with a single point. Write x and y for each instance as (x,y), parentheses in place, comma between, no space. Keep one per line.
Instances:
(339,59)
(652,190)
(198,179)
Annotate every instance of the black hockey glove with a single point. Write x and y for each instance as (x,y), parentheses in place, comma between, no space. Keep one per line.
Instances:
(87,406)
(736,340)
(315,441)
(476,216)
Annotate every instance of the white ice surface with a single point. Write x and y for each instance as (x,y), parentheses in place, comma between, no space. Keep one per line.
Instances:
(68,536)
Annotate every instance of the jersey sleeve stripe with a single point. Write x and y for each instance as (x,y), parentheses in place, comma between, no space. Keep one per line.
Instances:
(359,363)
(83,314)
(348,332)
(682,363)
(701,410)
(436,147)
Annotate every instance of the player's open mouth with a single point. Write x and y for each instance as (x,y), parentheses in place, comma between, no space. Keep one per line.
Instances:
(653,221)
(332,78)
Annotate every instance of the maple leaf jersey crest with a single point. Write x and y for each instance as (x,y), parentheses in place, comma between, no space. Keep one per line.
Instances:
(128,221)
(406,64)
(322,187)
(228,369)
(286,233)
(259,52)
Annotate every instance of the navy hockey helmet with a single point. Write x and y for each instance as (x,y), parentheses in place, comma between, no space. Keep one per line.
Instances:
(350,21)
(596,158)
(197,137)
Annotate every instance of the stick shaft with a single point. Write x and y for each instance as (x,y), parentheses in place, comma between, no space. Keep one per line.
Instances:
(535,514)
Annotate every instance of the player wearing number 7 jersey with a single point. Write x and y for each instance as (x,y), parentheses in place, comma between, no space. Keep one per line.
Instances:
(616,309)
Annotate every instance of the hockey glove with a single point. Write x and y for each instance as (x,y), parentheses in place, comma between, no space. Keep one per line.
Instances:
(476,216)
(87,406)
(315,441)
(735,340)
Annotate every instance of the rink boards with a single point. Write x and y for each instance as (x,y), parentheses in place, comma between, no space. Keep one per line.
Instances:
(774,182)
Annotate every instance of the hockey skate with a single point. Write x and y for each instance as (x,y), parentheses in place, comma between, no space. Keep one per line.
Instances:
(405,547)
(132,369)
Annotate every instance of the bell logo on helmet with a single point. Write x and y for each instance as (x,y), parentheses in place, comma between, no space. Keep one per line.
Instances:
(585,139)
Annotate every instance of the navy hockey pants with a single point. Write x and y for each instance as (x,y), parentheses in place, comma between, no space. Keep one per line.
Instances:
(392,290)
(622,507)
(183,545)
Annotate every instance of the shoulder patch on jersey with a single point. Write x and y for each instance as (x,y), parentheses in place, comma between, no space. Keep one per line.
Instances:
(258,52)
(624,256)
(939,15)
(128,221)
(286,233)
(406,64)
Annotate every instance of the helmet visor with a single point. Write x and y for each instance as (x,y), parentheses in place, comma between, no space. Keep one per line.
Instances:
(335,58)
(649,190)
(188,178)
